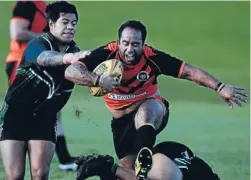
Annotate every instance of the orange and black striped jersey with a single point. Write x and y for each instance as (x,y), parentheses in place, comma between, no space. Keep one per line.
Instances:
(139,81)
(33,12)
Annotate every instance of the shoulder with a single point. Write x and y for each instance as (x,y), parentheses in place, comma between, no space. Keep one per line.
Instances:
(24,6)
(152,51)
(40,41)
(149,50)
(111,46)
(106,50)
(156,54)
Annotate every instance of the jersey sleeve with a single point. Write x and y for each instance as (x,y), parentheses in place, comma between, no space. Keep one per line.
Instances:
(24,10)
(96,57)
(34,48)
(167,64)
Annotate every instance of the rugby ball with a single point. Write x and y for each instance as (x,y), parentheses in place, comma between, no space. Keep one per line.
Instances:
(110,66)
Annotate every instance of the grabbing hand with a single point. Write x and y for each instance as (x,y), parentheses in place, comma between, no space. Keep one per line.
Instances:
(108,81)
(70,58)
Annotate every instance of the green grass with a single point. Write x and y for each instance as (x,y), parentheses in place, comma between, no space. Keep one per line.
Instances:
(211,35)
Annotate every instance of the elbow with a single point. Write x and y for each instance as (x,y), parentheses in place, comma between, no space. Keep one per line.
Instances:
(68,75)
(18,35)
(19,29)
(39,60)
(75,73)
(194,74)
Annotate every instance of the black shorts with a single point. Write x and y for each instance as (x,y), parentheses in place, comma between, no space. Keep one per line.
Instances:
(124,132)
(191,166)
(23,126)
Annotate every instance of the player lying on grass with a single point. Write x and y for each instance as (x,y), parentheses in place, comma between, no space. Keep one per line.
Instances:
(139,112)
(171,161)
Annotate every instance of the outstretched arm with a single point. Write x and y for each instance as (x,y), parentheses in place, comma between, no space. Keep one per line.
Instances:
(199,76)
(54,58)
(172,66)
(228,92)
(50,58)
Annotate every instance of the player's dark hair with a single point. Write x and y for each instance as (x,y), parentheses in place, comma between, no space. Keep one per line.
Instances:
(54,9)
(135,25)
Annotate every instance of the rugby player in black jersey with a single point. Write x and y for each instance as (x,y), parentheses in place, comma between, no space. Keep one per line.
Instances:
(39,91)
(171,161)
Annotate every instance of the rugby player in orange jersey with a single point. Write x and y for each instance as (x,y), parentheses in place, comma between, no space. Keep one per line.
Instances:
(139,113)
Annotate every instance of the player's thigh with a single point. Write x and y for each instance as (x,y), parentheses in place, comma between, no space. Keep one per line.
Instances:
(164,169)
(43,127)
(14,123)
(13,140)
(150,111)
(124,133)
(41,144)
(13,156)
(40,155)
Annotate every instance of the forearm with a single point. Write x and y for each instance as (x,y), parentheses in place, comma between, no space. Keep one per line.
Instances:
(24,35)
(50,58)
(79,74)
(199,76)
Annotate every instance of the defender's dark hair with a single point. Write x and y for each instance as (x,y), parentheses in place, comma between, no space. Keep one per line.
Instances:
(54,9)
(135,25)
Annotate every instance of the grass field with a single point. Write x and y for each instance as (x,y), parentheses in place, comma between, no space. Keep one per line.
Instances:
(211,35)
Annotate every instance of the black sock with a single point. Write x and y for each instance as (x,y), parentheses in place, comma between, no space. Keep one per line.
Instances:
(146,137)
(62,151)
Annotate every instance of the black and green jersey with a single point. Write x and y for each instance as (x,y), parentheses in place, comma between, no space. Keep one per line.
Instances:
(40,89)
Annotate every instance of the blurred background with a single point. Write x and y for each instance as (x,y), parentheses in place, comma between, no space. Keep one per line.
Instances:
(212,35)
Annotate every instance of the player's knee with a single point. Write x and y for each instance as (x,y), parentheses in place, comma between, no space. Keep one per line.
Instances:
(164,169)
(15,174)
(40,173)
(149,112)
